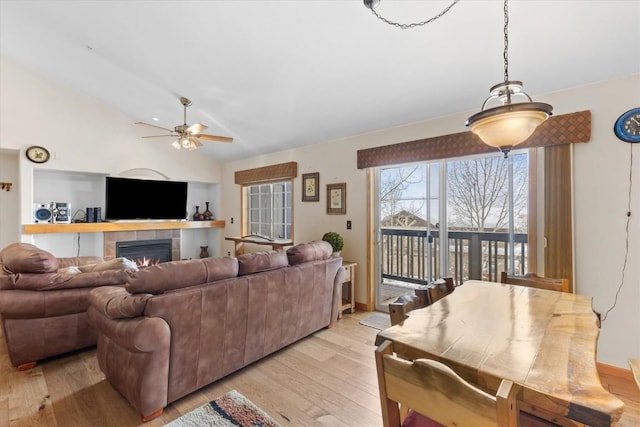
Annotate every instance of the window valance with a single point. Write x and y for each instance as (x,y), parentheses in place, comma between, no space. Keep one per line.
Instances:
(557,130)
(277,172)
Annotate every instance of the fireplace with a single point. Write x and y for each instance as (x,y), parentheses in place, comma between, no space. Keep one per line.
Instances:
(145,252)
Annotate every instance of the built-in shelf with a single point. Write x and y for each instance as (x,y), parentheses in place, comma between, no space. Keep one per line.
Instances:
(97,227)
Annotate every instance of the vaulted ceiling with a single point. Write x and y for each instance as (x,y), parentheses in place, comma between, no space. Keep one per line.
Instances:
(280,74)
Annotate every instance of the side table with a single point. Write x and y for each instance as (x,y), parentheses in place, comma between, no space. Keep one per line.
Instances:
(348,298)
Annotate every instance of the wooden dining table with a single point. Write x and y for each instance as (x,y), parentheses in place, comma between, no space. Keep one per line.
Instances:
(544,340)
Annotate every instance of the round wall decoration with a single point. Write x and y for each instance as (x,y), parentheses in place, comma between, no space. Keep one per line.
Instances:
(627,127)
(37,154)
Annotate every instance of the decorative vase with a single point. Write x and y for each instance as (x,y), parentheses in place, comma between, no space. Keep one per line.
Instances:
(208,215)
(204,252)
(197,216)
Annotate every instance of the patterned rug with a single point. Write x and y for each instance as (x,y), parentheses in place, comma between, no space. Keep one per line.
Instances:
(231,409)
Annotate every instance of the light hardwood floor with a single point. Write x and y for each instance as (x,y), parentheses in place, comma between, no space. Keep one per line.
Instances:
(328,379)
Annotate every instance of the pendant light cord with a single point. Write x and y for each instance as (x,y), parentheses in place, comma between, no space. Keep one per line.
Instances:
(626,248)
(371,5)
(506,42)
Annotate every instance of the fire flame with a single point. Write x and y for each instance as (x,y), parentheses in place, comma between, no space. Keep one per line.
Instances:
(146,262)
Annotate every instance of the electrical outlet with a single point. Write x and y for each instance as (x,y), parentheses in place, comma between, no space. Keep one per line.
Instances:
(231,220)
(348,225)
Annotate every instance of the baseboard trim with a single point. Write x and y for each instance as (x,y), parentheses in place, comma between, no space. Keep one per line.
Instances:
(616,371)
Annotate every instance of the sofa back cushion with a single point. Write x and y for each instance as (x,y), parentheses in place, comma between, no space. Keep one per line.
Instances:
(256,262)
(316,250)
(27,258)
(169,276)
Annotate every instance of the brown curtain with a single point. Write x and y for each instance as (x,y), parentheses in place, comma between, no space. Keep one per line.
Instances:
(558,213)
(558,130)
(277,172)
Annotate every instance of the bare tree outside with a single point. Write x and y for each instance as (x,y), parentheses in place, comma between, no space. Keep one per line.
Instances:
(476,244)
(478,193)
(397,206)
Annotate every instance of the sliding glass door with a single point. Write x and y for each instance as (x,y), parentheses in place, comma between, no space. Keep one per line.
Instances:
(463,218)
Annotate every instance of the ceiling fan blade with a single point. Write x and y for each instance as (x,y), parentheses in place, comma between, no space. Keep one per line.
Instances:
(215,138)
(195,128)
(161,136)
(154,126)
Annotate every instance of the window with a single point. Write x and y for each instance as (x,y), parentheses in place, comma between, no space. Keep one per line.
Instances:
(268,209)
(466,218)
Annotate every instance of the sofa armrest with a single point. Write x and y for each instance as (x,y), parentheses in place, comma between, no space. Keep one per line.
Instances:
(134,356)
(141,334)
(117,303)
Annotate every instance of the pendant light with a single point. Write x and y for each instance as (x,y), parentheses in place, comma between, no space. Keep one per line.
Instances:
(510,123)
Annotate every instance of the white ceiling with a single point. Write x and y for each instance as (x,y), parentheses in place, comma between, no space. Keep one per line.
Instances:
(280,74)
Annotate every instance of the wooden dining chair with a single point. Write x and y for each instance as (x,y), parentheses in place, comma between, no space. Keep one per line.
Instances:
(436,395)
(532,280)
(421,297)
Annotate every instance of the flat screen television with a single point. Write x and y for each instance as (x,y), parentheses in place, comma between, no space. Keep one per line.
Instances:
(143,199)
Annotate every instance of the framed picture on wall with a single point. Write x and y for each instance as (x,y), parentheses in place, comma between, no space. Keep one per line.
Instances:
(337,199)
(310,187)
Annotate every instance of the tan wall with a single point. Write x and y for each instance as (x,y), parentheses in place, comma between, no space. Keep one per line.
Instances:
(601,189)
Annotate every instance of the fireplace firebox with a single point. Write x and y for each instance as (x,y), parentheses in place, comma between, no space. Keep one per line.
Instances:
(145,252)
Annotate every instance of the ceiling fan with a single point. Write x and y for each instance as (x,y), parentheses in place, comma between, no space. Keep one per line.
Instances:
(187,136)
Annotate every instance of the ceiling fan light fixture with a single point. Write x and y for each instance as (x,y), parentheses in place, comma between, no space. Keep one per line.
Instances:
(188,136)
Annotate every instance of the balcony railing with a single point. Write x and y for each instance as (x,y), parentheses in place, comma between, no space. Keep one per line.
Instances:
(406,254)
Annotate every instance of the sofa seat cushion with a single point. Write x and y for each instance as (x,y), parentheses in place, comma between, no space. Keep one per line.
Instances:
(169,276)
(27,258)
(256,262)
(306,252)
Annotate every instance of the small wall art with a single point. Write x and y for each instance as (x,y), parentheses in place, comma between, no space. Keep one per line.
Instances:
(337,199)
(311,187)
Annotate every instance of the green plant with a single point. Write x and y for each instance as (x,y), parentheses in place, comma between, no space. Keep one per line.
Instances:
(334,239)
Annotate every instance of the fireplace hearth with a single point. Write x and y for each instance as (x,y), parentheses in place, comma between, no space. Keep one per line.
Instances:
(145,252)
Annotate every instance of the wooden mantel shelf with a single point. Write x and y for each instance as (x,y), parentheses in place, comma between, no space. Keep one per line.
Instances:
(97,227)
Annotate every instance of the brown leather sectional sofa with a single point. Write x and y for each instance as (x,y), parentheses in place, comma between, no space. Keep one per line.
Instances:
(181,325)
(43,300)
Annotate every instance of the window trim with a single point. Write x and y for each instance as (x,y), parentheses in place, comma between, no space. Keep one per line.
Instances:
(244,208)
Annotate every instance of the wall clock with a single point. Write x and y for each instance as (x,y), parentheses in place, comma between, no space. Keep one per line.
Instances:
(37,154)
(627,127)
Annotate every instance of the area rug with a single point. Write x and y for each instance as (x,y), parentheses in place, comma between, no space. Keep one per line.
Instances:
(377,320)
(231,409)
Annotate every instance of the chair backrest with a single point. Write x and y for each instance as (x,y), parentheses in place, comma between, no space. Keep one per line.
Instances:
(434,390)
(534,281)
(422,297)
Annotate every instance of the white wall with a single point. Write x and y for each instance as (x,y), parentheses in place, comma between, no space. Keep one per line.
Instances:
(601,178)
(82,135)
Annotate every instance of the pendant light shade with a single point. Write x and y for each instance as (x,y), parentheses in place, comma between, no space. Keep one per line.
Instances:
(509,123)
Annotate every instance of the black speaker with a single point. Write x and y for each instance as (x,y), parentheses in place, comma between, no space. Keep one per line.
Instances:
(98,212)
(91,215)
(62,212)
(42,213)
